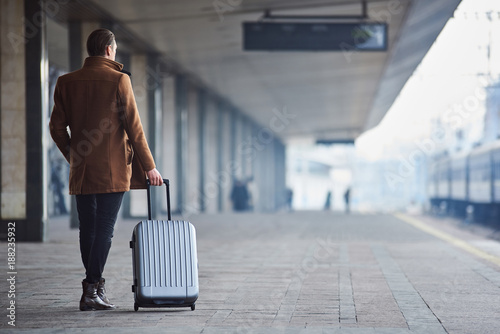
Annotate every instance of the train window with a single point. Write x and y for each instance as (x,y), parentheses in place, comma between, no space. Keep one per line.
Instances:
(480,173)
(458,174)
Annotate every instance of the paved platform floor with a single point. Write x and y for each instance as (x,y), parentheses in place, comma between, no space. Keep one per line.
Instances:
(301,272)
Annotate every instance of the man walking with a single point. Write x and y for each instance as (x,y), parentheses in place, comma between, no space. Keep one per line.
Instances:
(105,137)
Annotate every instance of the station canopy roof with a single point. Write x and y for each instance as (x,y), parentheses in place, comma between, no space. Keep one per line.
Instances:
(334,95)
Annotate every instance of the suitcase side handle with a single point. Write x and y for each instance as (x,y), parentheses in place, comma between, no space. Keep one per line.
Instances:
(167,184)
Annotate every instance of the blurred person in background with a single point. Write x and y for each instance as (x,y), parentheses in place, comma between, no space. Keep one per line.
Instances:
(347,199)
(240,196)
(328,202)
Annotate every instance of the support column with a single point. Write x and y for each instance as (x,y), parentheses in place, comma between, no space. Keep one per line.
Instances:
(13,117)
(211,156)
(37,84)
(256,162)
(245,155)
(280,174)
(76,46)
(192,204)
(152,83)
(233,119)
(169,135)
(226,172)
(238,156)
(202,137)
(181,141)
(267,172)
(153,87)
(221,138)
(245,148)
(270,165)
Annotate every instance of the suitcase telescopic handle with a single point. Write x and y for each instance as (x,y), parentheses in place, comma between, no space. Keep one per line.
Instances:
(167,184)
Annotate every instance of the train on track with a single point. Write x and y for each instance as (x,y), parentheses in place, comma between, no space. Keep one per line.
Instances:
(468,184)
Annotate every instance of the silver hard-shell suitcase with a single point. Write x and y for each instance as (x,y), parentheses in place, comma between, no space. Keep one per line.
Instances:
(165,261)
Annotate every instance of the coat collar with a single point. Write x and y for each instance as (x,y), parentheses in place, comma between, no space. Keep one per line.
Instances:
(102,62)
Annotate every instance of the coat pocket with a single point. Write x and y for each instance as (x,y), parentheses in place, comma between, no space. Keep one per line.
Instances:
(130,153)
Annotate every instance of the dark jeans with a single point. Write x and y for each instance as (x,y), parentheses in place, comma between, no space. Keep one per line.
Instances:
(97,214)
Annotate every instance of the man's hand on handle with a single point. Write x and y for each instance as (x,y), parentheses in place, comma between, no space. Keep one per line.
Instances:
(155,178)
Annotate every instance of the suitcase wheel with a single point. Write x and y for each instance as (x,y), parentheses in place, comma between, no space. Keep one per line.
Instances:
(136,307)
(193,307)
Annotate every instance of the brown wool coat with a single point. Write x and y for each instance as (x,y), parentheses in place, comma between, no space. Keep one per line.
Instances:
(105,145)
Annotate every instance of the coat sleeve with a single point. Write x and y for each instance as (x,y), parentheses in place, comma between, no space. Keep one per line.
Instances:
(58,125)
(133,126)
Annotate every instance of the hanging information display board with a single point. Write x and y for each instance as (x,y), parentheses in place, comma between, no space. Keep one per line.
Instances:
(284,36)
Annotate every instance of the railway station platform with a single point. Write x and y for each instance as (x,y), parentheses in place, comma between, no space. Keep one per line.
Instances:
(298,272)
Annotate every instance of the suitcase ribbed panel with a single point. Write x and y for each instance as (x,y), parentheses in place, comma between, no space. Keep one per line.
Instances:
(167,256)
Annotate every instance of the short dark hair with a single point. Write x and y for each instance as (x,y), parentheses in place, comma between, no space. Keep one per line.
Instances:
(98,41)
